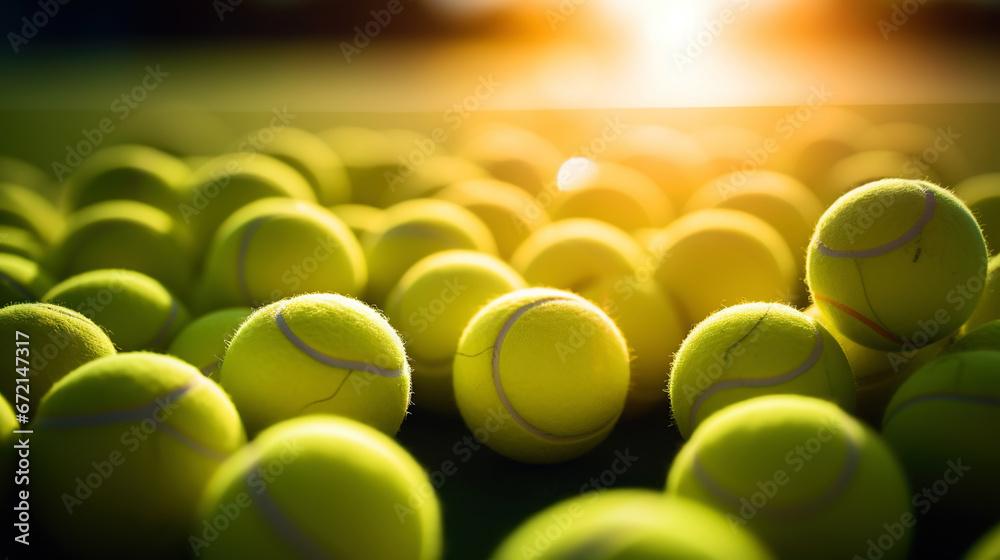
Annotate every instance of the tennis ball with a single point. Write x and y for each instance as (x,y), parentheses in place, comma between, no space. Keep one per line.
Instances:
(279,247)
(982,195)
(367,158)
(137,311)
(362,219)
(674,160)
(727,146)
(58,341)
(319,487)
(22,280)
(628,525)
(431,306)
(203,342)
(613,193)
(895,262)
(420,176)
(828,137)
(123,447)
(934,424)
(25,208)
(310,156)
(21,242)
(985,337)
(226,183)
(988,308)
(511,213)
(179,128)
(790,469)
(986,548)
(125,234)
(778,199)
(930,152)
(865,167)
(718,257)
(652,327)
(756,349)
(877,373)
(415,229)
(544,373)
(572,254)
(313,354)
(127,172)
(512,154)
(20,172)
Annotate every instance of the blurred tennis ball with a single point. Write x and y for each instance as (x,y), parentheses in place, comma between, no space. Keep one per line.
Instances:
(545,371)
(425,177)
(573,254)
(310,156)
(22,280)
(20,172)
(862,168)
(511,213)
(21,242)
(278,247)
(368,159)
(24,208)
(317,354)
(415,229)
(127,172)
(228,182)
(988,308)
(778,199)
(897,262)
(982,195)
(728,146)
(431,306)
(138,312)
(755,349)
(203,342)
(57,341)
(827,137)
(125,234)
(984,337)
(628,525)
(934,424)
(362,219)
(512,154)
(987,547)
(343,489)
(718,257)
(930,152)
(653,329)
(613,193)
(674,160)
(125,446)
(788,468)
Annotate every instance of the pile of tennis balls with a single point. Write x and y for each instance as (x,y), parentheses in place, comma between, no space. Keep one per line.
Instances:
(223,347)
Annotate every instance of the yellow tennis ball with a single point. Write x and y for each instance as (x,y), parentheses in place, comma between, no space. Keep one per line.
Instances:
(319,487)
(22,280)
(127,172)
(542,374)
(877,373)
(988,308)
(986,337)
(228,182)
(510,212)
(279,247)
(368,158)
(512,154)
(571,254)
(122,449)
(25,208)
(778,199)
(751,350)
(896,262)
(55,341)
(653,329)
(932,421)
(629,525)
(415,229)
(309,155)
(125,234)
(21,242)
(431,306)
(419,175)
(612,193)
(718,257)
(20,172)
(672,158)
(360,218)
(315,354)
(203,342)
(862,168)
(137,311)
(981,194)
(802,475)
(930,152)
(987,547)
